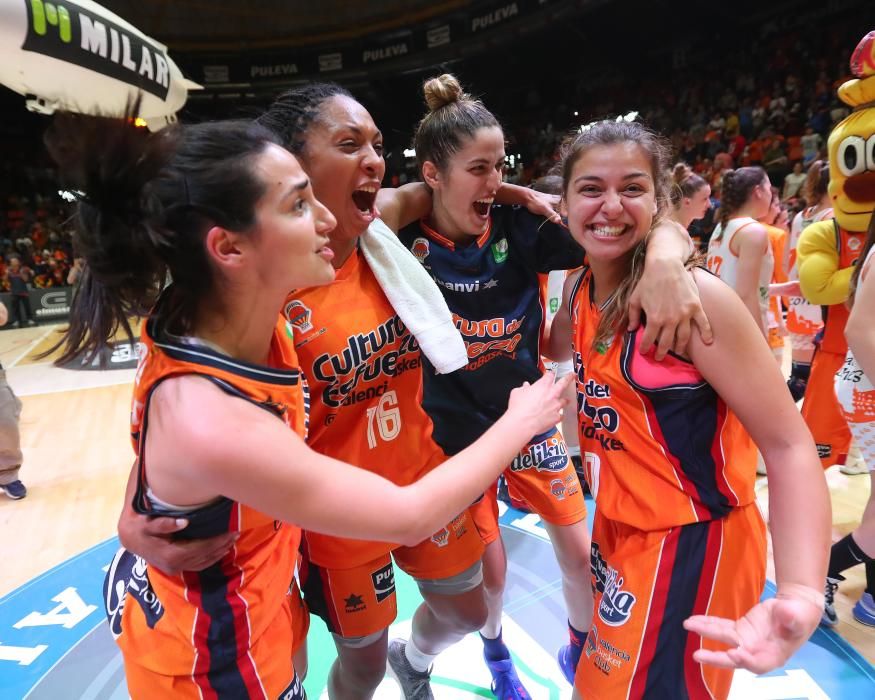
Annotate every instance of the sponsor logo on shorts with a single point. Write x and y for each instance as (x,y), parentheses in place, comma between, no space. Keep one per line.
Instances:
(459,525)
(605,656)
(384,582)
(298,316)
(824,451)
(592,640)
(547,455)
(572,485)
(441,538)
(354,603)
(557,488)
(420,249)
(128,576)
(294,692)
(615,605)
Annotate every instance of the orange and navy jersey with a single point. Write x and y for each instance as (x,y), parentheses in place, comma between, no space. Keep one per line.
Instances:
(203,625)
(849,245)
(660,447)
(364,370)
(492,287)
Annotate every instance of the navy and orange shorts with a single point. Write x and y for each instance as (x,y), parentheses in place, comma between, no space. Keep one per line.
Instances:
(822,412)
(543,480)
(647,583)
(267,668)
(360,602)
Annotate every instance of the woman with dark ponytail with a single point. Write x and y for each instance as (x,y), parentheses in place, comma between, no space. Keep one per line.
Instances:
(744,261)
(220,404)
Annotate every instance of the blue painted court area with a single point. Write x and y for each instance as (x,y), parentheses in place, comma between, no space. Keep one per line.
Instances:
(54,641)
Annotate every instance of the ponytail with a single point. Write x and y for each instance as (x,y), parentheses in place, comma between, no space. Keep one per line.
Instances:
(684,183)
(736,188)
(148,200)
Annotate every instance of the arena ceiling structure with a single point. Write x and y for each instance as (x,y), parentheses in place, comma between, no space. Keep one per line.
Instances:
(249,49)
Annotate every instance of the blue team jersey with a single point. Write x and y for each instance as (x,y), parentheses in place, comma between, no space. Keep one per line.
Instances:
(493,290)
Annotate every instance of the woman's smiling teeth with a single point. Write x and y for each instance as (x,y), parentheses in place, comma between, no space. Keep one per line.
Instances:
(604,231)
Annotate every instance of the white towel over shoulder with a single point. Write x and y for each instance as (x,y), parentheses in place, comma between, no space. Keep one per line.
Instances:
(415,298)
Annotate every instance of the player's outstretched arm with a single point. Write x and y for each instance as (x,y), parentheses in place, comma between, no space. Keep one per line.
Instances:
(234,449)
(667,294)
(799,508)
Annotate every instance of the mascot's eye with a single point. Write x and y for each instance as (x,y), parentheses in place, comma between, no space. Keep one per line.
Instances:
(870,153)
(852,156)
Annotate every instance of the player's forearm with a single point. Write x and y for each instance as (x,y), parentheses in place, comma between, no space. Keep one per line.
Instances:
(752,302)
(799,514)
(668,241)
(447,490)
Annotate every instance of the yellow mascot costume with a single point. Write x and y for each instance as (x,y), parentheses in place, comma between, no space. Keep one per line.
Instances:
(828,250)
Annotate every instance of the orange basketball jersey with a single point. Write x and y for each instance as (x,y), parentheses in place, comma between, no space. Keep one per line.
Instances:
(225,631)
(660,447)
(364,370)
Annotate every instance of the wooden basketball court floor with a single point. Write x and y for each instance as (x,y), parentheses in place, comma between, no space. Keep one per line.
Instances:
(77,457)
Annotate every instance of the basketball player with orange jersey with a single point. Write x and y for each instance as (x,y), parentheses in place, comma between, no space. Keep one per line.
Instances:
(678,554)
(230,216)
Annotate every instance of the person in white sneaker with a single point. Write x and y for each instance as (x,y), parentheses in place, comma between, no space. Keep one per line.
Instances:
(856,396)
(10,439)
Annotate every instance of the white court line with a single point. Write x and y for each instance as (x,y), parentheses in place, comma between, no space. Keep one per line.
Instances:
(31,346)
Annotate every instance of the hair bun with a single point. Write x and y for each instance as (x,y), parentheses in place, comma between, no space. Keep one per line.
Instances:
(680,172)
(442,91)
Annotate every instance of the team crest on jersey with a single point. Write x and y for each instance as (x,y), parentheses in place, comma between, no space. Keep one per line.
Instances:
(499,250)
(420,249)
(615,606)
(441,538)
(298,316)
(128,574)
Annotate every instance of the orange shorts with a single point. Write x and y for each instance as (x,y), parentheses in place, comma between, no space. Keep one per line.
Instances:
(647,583)
(300,617)
(543,480)
(822,411)
(267,666)
(361,601)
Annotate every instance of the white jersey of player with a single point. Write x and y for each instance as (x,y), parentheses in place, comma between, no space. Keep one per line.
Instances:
(724,263)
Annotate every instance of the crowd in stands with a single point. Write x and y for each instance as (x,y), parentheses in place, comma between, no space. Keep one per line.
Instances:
(769,101)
